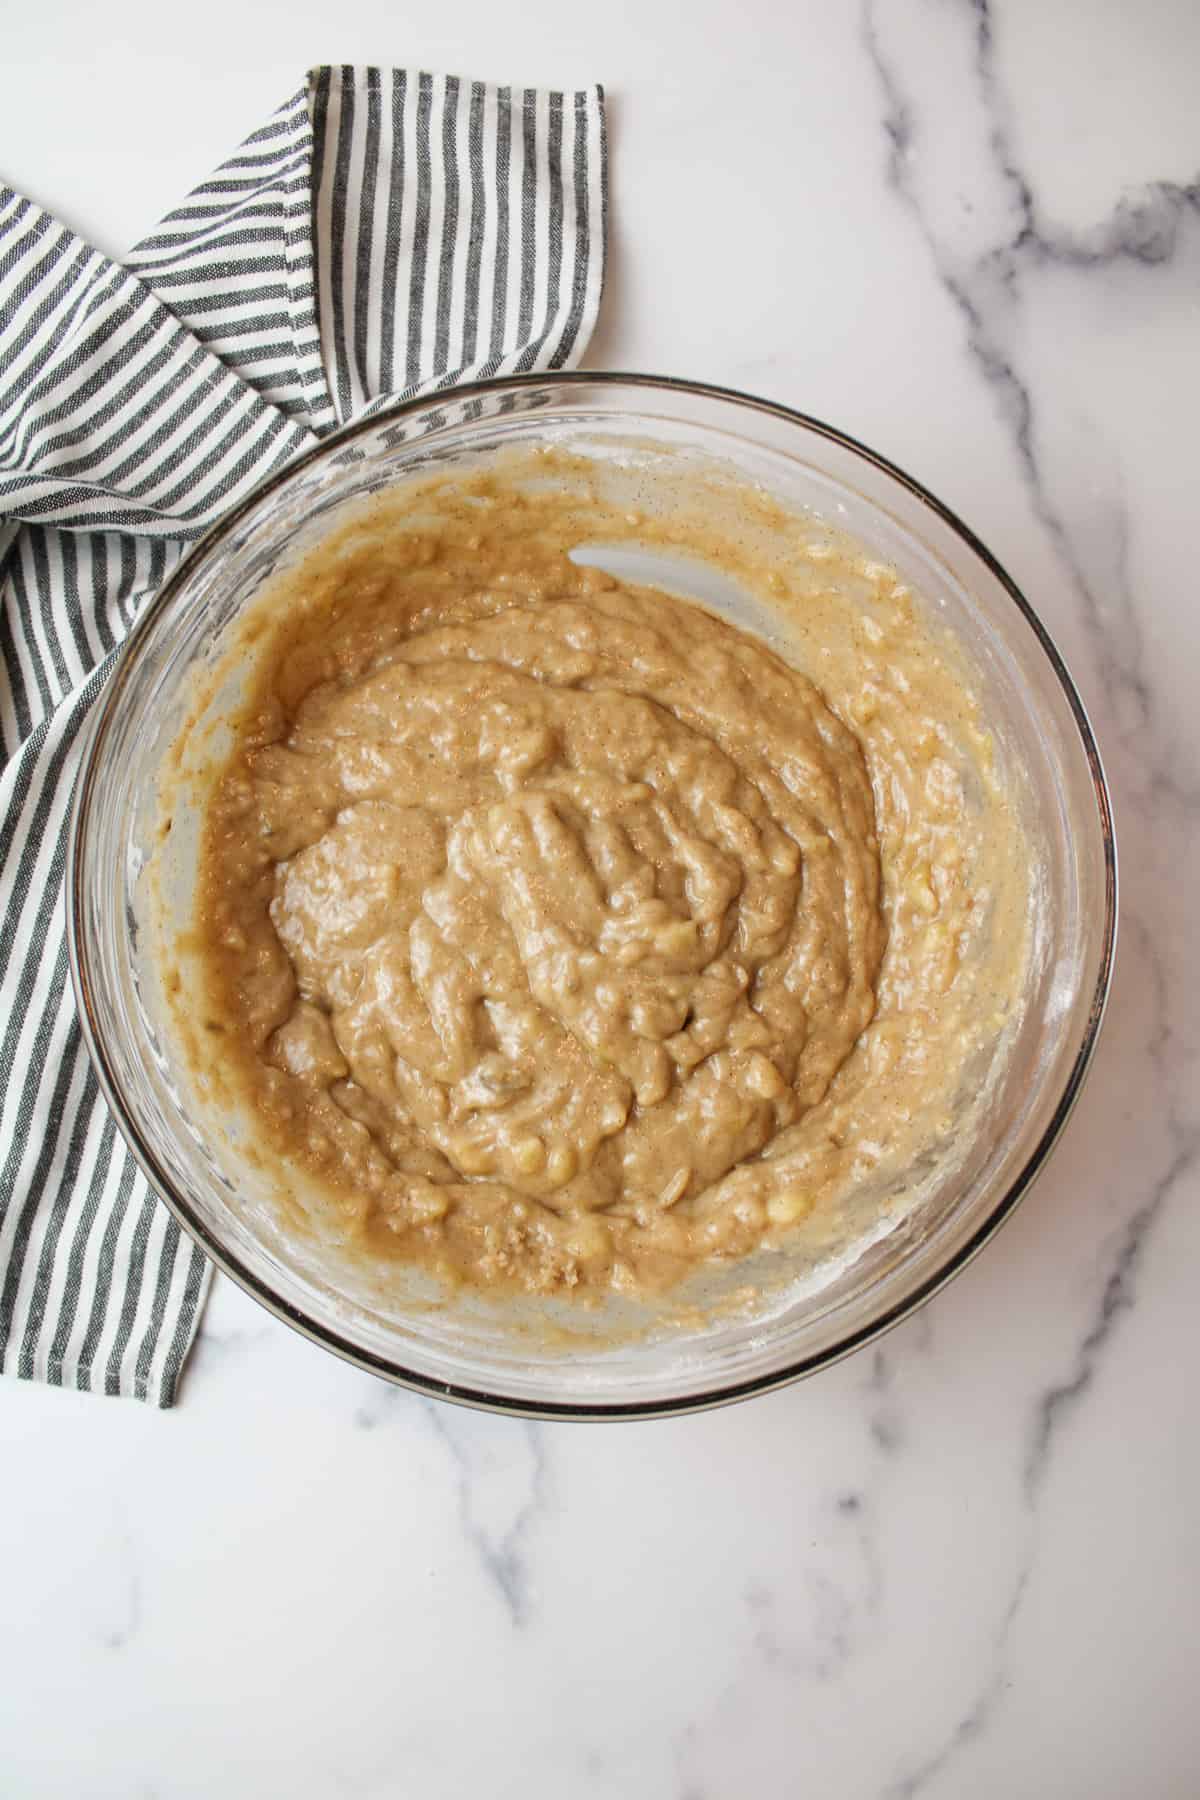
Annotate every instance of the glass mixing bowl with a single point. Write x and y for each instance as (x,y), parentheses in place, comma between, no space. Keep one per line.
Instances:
(515,1355)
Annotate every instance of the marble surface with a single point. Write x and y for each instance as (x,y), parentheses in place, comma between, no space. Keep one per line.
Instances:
(963,1563)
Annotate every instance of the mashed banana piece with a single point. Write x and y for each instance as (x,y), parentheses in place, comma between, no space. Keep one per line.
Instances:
(547,921)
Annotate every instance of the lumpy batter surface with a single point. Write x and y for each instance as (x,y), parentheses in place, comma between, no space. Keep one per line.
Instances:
(566,934)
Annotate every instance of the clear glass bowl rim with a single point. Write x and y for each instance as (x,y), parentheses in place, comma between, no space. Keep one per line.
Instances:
(324,1335)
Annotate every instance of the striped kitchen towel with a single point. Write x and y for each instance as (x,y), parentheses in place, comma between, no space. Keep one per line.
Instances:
(385,234)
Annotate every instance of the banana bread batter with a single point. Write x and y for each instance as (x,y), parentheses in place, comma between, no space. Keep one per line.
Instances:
(566,934)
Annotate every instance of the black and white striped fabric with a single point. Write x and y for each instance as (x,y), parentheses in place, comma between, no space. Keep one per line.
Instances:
(384,234)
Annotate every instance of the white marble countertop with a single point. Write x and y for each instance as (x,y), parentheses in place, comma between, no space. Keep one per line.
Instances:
(962,1563)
